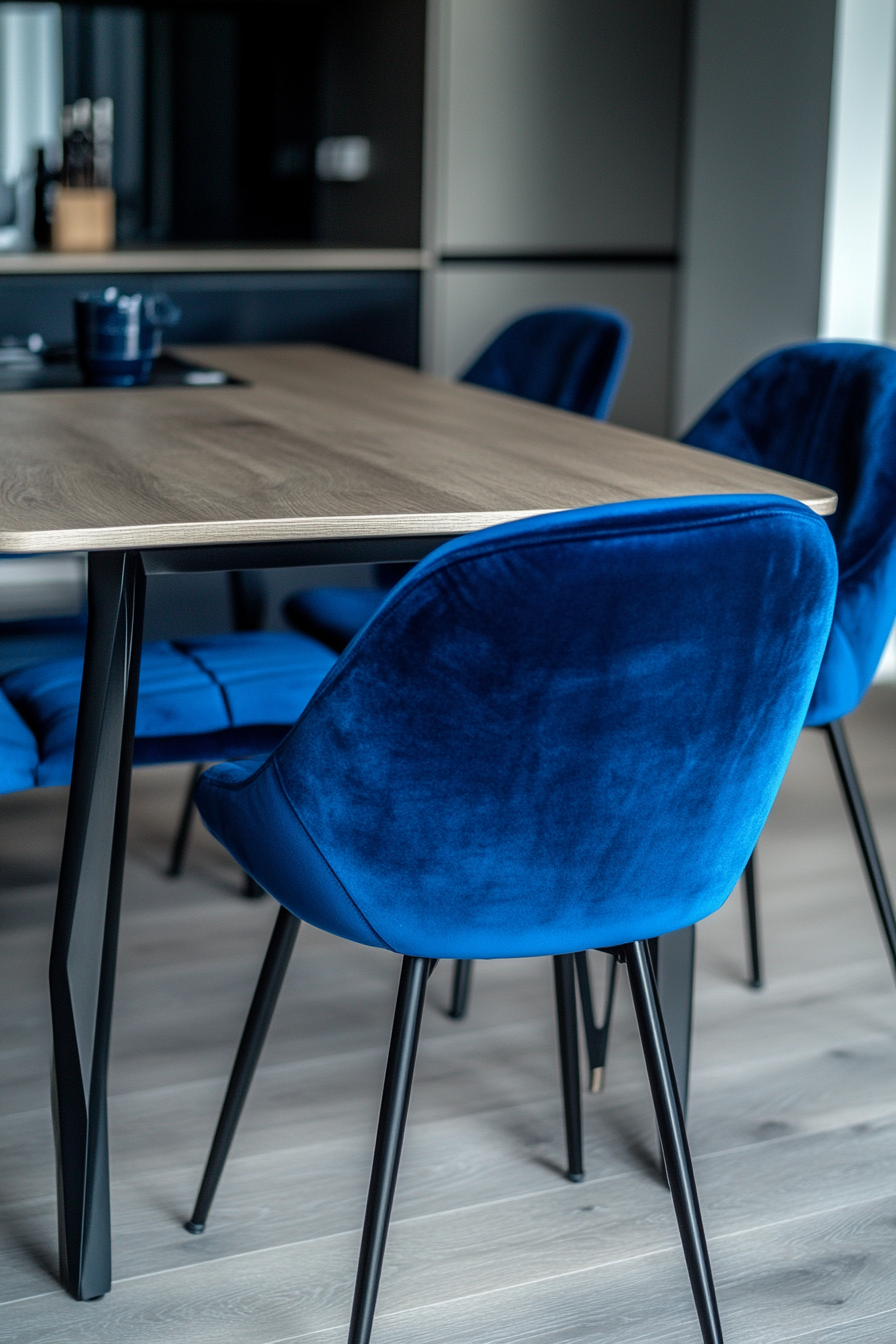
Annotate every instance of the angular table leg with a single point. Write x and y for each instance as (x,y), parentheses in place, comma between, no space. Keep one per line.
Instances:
(85,935)
(673,959)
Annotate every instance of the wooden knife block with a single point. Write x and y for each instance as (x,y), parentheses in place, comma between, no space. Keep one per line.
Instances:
(83,219)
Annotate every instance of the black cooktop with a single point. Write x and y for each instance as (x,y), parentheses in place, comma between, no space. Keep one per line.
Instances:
(23,370)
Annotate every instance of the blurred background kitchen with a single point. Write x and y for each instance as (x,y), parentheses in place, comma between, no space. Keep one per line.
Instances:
(403,177)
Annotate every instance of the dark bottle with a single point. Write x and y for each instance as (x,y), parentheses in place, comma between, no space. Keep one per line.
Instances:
(44,185)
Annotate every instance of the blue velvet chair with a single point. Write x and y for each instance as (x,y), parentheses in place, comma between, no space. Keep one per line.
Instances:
(571,358)
(211,698)
(19,753)
(826,411)
(561,733)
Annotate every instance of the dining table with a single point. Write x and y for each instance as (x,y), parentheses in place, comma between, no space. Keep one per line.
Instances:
(311,455)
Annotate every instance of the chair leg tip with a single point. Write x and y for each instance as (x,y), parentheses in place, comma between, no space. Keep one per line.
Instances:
(195,1228)
(597,1079)
(575,1176)
(756,984)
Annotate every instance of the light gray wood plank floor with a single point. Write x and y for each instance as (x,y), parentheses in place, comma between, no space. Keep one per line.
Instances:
(793,1115)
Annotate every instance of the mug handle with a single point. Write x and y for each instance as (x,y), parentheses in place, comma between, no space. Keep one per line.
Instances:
(161,311)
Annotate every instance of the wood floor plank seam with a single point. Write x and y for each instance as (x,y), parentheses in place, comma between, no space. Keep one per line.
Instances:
(491,1292)
(700,1073)
(580,1270)
(603,1263)
(292,1157)
(843,1325)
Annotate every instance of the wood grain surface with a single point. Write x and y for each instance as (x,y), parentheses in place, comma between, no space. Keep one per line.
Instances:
(321,444)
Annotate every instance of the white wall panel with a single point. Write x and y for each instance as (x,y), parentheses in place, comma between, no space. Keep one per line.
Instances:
(857,211)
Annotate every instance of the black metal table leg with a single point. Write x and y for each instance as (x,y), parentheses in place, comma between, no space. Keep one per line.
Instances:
(85,935)
(673,959)
(247,599)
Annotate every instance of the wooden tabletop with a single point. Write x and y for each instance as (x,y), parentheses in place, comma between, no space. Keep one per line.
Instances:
(321,445)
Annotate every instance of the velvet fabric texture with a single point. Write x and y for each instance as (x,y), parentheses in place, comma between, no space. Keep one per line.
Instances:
(200,699)
(565,732)
(19,757)
(571,358)
(826,411)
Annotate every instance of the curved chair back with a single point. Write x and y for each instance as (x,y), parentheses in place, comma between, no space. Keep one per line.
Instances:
(560,733)
(571,358)
(826,411)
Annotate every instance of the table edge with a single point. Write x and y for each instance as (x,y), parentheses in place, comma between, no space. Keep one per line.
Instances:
(367,526)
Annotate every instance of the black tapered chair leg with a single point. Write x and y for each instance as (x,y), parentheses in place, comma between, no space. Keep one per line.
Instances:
(597,1035)
(179,846)
(415,972)
(751,918)
(568,1035)
(264,1001)
(460,989)
(252,890)
(861,824)
(673,1138)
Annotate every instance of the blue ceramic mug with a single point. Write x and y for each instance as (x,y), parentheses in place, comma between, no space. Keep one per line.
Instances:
(119,335)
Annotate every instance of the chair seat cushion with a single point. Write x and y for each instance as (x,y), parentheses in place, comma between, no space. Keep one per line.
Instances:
(334,615)
(200,699)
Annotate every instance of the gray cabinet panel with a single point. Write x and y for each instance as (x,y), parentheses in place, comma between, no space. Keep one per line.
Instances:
(559,124)
(755,193)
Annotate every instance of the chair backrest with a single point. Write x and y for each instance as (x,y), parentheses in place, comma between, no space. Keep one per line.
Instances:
(567,731)
(826,411)
(571,358)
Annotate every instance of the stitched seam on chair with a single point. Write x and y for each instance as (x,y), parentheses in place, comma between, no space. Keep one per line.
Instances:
(326,861)
(802,515)
(209,673)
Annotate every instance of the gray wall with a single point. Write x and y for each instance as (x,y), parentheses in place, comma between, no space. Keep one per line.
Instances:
(760,82)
